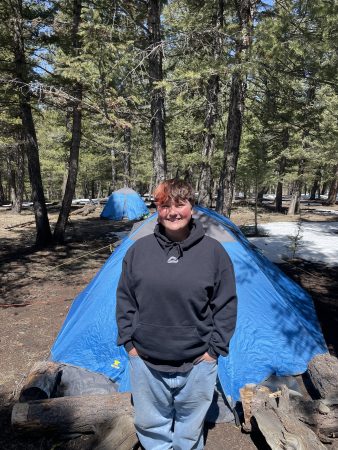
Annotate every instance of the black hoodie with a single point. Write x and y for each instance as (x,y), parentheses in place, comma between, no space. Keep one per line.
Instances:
(176,300)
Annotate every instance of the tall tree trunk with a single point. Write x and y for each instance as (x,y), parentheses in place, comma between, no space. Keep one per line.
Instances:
(60,227)
(126,157)
(205,183)
(113,169)
(43,232)
(281,171)
(324,188)
(12,184)
(99,189)
(19,173)
(261,192)
(315,185)
(157,94)
(205,189)
(85,191)
(294,207)
(231,145)
(332,197)
(65,176)
(245,11)
(2,192)
(279,197)
(103,92)
(93,190)
(294,202)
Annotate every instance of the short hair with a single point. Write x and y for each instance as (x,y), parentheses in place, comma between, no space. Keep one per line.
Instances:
(174,190)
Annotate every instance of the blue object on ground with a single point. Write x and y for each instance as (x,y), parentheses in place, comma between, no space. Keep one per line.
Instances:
(124,203)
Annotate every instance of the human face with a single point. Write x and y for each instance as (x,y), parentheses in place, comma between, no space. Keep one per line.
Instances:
(175,217)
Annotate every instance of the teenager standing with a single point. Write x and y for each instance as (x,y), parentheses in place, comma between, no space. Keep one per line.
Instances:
(176,312)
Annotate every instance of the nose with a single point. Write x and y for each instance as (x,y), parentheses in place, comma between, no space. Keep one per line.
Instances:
(172,209)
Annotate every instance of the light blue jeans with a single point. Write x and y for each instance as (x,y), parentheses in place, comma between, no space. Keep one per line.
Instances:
(170,407)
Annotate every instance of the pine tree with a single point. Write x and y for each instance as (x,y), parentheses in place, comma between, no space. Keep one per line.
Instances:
(77,90)
(16,15)
(245,11)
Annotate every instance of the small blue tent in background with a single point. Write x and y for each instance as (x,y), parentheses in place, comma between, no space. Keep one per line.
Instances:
(124,203)
(277,330)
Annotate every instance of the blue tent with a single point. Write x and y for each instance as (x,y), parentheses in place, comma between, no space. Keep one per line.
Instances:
(277,330)
(124,203)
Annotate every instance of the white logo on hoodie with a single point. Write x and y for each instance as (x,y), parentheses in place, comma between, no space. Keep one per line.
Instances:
(172,260)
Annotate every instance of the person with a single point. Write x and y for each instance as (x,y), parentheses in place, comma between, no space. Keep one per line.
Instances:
(176,312)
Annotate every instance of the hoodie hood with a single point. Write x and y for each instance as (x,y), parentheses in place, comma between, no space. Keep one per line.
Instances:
(175,249)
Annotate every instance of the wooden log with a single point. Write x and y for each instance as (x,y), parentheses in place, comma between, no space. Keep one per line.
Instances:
(41,381)
(18,225)
(85,210)
(279,426)
(320,415)
(120,435)
(247,393)
(69,416)
(323,373)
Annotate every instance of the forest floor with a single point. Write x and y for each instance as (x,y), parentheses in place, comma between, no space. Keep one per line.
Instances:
(38,286)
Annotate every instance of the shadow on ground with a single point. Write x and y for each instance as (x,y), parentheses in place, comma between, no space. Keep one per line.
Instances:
(89,242)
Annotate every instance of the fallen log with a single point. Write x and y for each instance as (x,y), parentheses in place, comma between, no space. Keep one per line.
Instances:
(278,424)
(18,225)
(117,436)
(84,211)
(323,374)
(71,416)
(320,415)
(41,381)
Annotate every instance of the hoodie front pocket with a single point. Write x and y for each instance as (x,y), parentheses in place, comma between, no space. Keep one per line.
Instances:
(167,342)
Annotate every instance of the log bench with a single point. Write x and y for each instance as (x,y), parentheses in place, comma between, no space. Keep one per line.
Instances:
(286,420)
(292,421)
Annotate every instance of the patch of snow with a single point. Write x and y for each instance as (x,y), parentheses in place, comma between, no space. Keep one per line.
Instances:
(269,196)
(318,242)
(85,201)
(324,212)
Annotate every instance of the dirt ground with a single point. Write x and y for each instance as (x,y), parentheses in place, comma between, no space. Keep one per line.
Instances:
(37,288)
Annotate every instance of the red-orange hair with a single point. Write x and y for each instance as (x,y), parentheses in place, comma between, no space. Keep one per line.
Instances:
(174,190)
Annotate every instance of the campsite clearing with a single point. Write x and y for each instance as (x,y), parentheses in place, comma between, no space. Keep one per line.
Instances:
(37,289)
